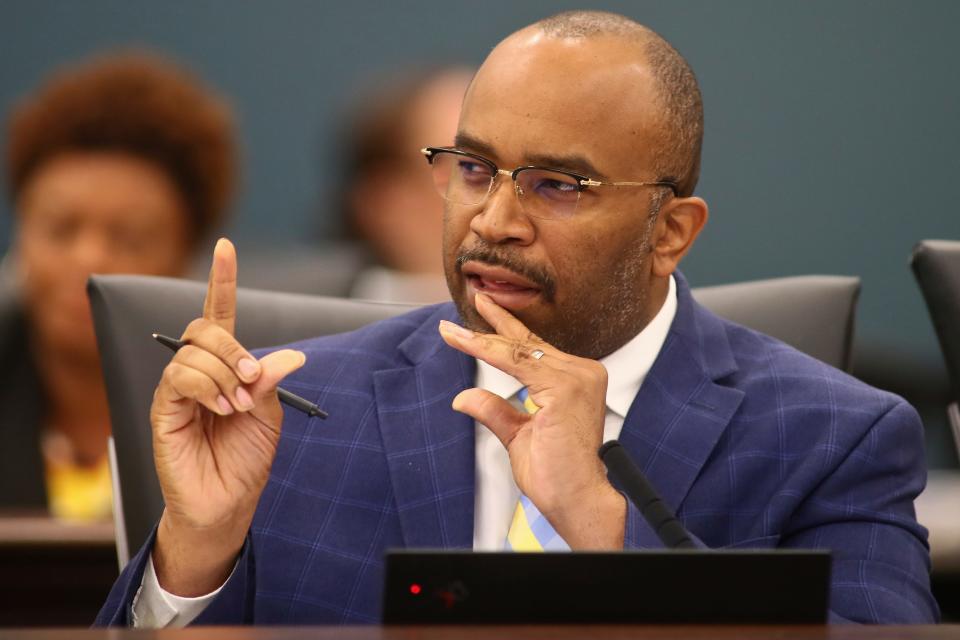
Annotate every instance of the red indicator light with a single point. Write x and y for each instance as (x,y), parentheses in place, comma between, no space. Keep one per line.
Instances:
(415,589)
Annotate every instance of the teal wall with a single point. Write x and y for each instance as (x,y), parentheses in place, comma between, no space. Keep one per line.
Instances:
(832,127)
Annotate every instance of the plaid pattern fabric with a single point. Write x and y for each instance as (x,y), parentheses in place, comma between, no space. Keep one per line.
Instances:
(752,443)
(530,530)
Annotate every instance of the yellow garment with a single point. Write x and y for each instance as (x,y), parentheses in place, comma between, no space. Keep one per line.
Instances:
(79,493)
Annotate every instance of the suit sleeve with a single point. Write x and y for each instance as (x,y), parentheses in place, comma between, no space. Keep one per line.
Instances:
(232,606)
(863,512)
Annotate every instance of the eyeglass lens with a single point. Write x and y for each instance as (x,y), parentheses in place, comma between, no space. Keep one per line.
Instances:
(467,181)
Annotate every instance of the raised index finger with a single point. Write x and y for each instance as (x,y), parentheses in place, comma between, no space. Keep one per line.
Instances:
(220,305)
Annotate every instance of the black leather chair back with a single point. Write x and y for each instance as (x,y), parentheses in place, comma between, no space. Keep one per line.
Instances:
(813,313)
(936,266)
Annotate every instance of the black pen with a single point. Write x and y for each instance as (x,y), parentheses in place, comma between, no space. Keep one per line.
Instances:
(287,398)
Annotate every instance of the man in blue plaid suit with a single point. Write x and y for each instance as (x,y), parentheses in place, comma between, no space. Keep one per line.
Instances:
(563,271)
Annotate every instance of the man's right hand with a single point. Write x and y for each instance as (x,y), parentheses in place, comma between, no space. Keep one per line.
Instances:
(216,423)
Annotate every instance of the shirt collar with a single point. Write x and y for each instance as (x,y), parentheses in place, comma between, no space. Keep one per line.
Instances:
(627,367)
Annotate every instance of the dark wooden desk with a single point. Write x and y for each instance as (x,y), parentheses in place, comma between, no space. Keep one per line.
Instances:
(52,573)
(598,632)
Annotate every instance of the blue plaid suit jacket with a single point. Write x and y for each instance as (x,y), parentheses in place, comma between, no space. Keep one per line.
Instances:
(753,443)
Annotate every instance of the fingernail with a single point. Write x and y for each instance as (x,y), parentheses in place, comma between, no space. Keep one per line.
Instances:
(225,407)
(455,329)
(457,403)
(244,399)
(249,369)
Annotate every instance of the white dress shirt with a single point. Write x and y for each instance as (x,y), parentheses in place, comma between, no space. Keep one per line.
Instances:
(496,493)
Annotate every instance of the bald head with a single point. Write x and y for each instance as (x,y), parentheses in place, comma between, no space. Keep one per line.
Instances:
(583,94)
(675,87)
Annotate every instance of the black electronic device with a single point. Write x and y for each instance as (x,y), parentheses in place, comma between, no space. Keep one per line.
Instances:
(678,586)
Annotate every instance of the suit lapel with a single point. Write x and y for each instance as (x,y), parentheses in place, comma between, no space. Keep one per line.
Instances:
(680,412)
(429,446)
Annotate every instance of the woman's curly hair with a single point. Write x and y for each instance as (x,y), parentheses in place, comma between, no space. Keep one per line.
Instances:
(136,103)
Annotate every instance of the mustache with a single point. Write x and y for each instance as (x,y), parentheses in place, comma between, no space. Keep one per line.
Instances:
(509,260)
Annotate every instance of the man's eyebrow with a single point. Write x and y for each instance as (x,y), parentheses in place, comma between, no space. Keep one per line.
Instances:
(572,162)
(468,143)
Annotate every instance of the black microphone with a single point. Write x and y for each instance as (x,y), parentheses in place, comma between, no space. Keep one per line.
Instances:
(644,496)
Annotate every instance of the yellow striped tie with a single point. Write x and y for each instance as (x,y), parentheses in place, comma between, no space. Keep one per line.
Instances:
(530,530)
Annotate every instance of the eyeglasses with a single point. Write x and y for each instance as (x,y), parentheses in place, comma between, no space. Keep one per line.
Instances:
(467,179)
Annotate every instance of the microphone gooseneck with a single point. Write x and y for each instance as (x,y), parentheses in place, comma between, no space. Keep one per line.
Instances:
(631,479)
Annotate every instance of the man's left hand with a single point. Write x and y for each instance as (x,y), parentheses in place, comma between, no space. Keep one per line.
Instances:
(553,452)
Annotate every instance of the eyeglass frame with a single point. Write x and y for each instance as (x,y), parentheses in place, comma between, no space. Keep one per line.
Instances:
(582,181)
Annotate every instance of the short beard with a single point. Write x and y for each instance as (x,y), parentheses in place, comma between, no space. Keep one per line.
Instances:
(603,321)
(621,311)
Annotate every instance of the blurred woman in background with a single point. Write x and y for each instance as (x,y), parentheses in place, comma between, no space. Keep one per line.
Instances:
(389,203)
(123,164)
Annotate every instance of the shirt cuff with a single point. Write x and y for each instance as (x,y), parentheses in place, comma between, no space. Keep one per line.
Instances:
(155,608)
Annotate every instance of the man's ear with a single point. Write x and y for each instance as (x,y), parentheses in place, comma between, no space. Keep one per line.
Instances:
(681,220)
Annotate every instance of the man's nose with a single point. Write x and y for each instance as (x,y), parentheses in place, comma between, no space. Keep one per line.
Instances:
(500,218)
